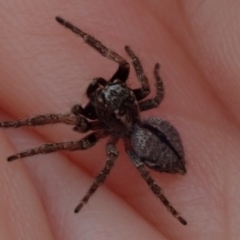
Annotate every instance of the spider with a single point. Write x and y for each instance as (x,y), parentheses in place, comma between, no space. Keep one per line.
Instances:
(113,111)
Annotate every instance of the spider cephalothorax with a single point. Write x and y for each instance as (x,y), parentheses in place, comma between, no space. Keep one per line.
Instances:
(116,108)
(114,111)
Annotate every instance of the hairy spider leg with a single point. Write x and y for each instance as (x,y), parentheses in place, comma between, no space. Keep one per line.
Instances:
(42,120)
(154,186)
(144,91)
(112,155)
(83,144)
(154,102)
(81,124)
(123,68)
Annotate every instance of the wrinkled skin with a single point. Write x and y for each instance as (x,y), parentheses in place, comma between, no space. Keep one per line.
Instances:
(45,68)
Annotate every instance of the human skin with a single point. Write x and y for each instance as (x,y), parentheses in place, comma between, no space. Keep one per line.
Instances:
(45,68)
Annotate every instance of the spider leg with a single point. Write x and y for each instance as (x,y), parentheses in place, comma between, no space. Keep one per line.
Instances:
(83,144)
(82,124)
(154,102)
(112,155)
(43,120)
(144,91)
(154,186)
(123,69)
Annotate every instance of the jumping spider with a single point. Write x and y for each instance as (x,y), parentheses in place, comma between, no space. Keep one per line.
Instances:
(114,110)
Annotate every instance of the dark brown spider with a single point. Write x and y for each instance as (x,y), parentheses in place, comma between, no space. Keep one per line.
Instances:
(115,110)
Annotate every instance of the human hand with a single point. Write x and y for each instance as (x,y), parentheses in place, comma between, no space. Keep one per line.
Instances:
(45,68)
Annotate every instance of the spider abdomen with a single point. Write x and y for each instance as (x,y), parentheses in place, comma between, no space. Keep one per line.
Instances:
(158,145)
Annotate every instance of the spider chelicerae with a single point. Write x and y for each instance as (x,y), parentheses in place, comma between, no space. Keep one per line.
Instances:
(113,111)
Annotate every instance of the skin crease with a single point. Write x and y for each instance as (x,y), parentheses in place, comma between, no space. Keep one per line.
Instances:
(45,68)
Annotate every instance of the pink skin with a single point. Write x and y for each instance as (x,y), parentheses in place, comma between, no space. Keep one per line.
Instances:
(46,68)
